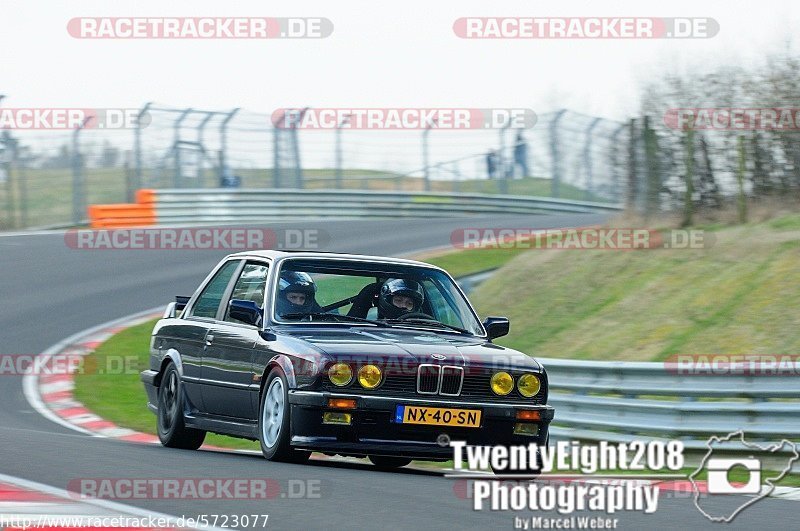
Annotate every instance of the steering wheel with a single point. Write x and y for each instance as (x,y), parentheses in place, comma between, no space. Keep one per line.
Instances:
(416,315)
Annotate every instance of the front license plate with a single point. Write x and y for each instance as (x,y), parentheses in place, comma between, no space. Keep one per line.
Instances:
(438,416)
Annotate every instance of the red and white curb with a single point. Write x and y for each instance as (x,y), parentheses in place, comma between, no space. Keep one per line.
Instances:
(49,389)
(28,505)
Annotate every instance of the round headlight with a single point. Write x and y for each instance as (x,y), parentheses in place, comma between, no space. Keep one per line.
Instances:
(528,385)
(340,374)
(369,376)
(502,383)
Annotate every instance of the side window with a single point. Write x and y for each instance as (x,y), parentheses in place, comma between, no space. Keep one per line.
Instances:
(250,286)
(208,302)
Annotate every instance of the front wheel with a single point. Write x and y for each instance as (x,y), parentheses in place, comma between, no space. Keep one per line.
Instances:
(273,421)
(172,431)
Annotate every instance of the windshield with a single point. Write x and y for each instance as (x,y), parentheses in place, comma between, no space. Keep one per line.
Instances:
(370,294)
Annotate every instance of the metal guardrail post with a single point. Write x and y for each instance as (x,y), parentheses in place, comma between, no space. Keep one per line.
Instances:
(555,154)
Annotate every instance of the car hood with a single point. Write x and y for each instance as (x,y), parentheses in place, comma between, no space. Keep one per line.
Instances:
(392,345)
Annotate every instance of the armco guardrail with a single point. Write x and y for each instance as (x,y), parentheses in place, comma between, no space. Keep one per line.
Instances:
(621,401)
(156,207)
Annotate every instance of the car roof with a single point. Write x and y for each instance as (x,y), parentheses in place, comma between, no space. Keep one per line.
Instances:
(278,254)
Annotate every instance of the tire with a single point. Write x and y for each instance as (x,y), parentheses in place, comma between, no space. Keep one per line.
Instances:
(274,433)
(172,431)
(388,463)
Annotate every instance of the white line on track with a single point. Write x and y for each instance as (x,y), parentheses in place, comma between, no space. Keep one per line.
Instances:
(103,504)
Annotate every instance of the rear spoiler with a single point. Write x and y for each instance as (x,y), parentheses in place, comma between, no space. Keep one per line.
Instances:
(174,307)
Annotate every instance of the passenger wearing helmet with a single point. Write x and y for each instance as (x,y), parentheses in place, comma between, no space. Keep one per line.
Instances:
(399,297)
(296,293)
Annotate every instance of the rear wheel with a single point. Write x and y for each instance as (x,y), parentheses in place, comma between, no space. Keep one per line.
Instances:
(388,463)
(172,431)
(273,421)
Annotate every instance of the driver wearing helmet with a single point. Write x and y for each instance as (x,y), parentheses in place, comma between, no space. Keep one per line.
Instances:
(398,297)
(296,293)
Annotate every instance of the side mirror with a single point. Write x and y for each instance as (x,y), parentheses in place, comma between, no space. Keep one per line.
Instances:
(496,326)
(245,311)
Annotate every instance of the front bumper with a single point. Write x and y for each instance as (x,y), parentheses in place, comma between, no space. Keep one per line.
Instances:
(374,431)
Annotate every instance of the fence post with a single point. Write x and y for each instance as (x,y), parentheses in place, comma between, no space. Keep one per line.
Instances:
(587,157)
(630,196)
(137,150)
(298,167)
(201,127)
(615,162)
(555,155)
(425,163)
(223,143)
(345,120)
(7,156)
(505,169)
(78,178)
(689,161)
(276,158)
(653,180)
(740,180)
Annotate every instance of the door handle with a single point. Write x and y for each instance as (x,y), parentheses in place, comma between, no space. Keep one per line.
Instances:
(209,339)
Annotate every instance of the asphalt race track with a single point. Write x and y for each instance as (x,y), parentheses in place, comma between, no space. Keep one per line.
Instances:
(50,291)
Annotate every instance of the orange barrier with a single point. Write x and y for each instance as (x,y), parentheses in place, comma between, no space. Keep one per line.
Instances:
(127,215)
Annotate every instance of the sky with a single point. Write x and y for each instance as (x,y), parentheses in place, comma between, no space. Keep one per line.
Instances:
(388,54)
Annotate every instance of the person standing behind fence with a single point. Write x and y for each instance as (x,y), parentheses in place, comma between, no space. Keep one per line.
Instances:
(491,164)
(521,155)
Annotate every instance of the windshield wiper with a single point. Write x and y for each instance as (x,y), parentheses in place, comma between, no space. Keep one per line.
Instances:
(419,320)
(333,317)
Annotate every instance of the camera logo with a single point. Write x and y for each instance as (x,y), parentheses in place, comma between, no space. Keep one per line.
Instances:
(718,482)
(730,497)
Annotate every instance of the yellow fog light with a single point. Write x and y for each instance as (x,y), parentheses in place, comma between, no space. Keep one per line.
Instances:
(528,385)
(502,383)
(334,417)
(526,429)
(340,374)
(369,376)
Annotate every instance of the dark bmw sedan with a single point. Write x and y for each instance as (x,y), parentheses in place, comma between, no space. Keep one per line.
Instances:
(342,354)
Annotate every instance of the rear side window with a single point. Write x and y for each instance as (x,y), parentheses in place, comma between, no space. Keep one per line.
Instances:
(208,302)
(250,286)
